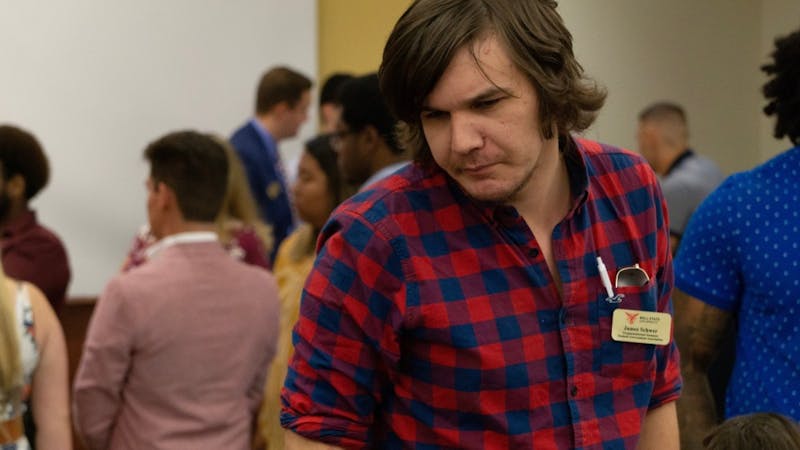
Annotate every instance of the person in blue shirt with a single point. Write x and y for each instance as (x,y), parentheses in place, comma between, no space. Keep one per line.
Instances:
(282,104)
(738,262)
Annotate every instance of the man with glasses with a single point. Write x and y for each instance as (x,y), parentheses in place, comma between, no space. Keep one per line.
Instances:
(364,135)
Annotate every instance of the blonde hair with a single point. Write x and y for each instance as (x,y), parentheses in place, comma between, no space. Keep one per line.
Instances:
(239,204)
(11,383)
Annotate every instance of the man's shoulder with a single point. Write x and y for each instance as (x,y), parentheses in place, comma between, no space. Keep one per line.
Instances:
(615,170)
(596,149)
(694,178)
(415,188)
(782,168)
(245,129)
(696,169)
(153,294)
(785,165)
(604,158)
(414,201)
(175,268)
(40,240)
(705,163)
(245,138)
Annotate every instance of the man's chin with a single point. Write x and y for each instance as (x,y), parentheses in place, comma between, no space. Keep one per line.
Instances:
(488,194)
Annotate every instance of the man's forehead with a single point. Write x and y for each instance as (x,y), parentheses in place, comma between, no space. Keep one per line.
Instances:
(477,70)
(472,83)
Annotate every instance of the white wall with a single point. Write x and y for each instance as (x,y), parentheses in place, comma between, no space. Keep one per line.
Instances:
(96,81)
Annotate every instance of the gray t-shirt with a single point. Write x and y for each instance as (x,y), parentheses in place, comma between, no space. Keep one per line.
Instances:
(686,185)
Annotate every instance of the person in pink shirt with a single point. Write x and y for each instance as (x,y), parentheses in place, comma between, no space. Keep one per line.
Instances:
(177,350)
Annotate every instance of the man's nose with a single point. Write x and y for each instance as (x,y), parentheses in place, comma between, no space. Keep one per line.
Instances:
(464,133)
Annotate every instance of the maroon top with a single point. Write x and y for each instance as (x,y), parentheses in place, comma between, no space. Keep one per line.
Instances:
(35,254)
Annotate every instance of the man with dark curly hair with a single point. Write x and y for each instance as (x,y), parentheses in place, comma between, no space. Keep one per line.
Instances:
(738,262)
(511,288)
(30,251)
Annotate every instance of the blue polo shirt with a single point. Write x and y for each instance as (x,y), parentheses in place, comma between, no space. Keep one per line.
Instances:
(740,253)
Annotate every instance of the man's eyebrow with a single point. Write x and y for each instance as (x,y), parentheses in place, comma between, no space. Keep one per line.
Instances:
(484,95)
(487,94)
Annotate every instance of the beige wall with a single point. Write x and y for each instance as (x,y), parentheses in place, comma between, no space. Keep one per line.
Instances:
(704,55)
(352,33)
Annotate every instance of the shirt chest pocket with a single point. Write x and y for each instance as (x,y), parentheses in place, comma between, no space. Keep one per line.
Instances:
(626,359)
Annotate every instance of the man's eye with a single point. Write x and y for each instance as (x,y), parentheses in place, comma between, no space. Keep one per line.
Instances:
(429,115)
(484,104)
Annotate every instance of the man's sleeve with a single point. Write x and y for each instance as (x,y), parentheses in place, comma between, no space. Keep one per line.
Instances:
(346,337)
(667,384)
(709,261)
(103,368)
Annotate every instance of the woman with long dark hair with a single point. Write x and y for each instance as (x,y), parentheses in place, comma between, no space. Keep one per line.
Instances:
(319,188)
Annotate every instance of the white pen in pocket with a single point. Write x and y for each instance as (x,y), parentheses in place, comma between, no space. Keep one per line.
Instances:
(604,278)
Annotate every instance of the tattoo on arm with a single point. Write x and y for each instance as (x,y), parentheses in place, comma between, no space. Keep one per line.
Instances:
(699,328)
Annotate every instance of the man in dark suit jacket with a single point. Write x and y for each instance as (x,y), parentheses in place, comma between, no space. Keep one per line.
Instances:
(282,104)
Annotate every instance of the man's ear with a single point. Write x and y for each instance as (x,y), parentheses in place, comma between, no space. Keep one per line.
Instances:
(15,186)
(370,136)
(164,195)
(281,108)
(652,135)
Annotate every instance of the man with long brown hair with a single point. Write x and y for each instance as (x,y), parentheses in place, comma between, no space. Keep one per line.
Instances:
(511,289)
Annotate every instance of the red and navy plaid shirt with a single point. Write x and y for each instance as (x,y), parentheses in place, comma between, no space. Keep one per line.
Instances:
(432,321)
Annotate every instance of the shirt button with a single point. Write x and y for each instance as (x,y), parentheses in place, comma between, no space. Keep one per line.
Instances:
(574,391)
(533,252)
